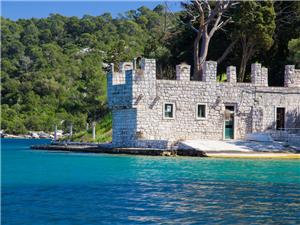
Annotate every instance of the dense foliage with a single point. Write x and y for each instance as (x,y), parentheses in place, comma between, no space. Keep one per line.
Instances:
(53,69)
(258,32)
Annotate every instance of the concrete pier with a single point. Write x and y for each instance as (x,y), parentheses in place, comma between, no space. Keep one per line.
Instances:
(105,148)
(226,151)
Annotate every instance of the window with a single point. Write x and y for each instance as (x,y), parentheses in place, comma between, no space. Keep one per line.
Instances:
(201,111)
(280,118)
(168,110)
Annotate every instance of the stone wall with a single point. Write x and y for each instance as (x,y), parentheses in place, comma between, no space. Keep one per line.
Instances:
(183,72)
(291,76)
(124,126)
(137,104)
(186,96)
(259,75)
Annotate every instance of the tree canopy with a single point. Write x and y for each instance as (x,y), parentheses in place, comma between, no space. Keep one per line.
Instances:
(52,67)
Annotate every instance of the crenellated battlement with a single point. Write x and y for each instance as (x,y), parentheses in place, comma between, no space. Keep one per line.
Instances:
(129,72)
(291,76)
(119,77)
(146,72)
(134,83)
(183,72)
(124,86)
(231,74)
(259,75)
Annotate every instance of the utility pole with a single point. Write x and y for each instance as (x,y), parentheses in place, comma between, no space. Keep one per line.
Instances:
(71,130)
(55,133)
(94,130)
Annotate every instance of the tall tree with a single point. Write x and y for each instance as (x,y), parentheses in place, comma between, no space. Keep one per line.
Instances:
(205,19)
(287,27)
(294,51)
(254,28)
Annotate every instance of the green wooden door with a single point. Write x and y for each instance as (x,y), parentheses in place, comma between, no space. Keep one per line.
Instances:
(229,129)
(229,122)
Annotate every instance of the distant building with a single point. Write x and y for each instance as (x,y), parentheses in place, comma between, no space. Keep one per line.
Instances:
(155,113)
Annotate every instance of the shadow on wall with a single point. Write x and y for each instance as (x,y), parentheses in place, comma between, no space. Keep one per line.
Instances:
(291,131)
(124,127)
(293,119)
(125,133)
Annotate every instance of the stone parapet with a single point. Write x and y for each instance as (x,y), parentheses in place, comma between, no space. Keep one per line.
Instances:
(231,74)
(291,76)
(183,72)
(259,75)
(210,71)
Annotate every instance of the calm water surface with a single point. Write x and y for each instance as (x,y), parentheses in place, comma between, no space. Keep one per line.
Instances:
(40,187)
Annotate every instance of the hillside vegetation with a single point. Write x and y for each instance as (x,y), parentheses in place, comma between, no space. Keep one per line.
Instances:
(103,132)
(52,68)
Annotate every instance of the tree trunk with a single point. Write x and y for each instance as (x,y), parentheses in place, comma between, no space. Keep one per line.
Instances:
(204,48)
(200,59)
(227,51)
(196,56)
(203,52)
(247,52)
(242,70)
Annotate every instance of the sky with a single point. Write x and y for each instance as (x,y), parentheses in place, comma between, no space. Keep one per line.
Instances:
(39,9)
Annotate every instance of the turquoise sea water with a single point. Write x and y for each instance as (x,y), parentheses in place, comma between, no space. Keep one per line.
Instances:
(40,187)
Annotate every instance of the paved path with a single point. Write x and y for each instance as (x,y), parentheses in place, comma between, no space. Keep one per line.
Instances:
(253,155)
(235,146)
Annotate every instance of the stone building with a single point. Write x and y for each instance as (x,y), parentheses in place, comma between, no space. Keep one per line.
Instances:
(148,112)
